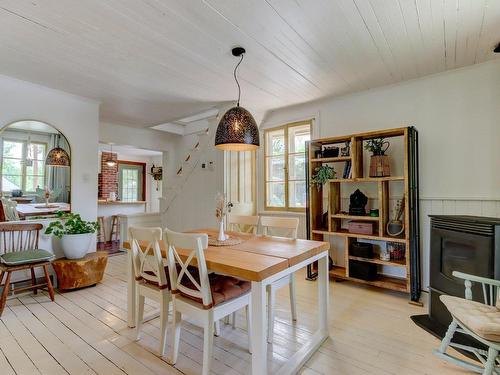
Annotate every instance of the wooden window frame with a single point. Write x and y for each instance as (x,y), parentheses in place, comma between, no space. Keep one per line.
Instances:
(286,128)
(127,162)
(24,176)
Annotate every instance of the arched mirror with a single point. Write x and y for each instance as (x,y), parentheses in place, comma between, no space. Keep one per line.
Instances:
(35,170)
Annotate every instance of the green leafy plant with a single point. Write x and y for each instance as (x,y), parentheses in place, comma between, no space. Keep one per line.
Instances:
(377,146)
(322,174)
(70,223)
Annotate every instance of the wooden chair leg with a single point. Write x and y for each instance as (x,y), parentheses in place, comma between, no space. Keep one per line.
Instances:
(5,292)
(33,280)
(49,283)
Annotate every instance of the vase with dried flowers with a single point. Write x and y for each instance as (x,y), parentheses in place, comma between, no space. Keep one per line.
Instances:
(222,208)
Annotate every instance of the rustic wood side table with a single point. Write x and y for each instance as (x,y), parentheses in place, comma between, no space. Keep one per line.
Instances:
(79,273)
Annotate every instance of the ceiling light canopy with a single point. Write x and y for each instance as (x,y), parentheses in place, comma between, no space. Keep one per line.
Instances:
(237,129)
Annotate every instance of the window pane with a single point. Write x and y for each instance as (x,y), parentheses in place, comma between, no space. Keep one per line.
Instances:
(275,193)
(13,149)
(297,137)
(33,182)
(37,151)
(130,184)
(11,183)
(37,168)
(297,194)
(297,167)
(275,168)
(11,167)
(275,142)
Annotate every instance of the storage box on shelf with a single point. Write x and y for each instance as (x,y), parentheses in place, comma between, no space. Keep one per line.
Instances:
(327,202)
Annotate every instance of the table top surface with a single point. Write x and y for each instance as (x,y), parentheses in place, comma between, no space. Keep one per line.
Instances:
(27,209)
(256,258)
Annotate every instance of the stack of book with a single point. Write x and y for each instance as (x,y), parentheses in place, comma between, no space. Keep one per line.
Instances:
(347,170)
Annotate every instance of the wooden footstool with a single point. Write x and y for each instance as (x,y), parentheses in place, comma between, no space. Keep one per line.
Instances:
(79,273)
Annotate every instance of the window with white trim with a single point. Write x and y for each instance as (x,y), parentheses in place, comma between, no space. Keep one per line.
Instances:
(285,166)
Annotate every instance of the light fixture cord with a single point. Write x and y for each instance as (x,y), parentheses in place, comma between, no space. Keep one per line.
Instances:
(236,79)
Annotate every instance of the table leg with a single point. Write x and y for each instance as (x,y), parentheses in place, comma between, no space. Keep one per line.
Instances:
(131,292)
(259,329)
(323,301)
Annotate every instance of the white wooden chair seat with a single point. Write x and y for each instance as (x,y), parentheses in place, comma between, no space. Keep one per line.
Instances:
(484,320)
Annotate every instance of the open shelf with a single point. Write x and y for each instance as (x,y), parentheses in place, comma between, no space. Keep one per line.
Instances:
(331,160)
(395,263)
(330,201)
(368,179)
(345,233)
(354,217)
(384,281)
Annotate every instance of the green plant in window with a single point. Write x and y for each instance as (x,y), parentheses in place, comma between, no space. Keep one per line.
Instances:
(322,174)
(70,223)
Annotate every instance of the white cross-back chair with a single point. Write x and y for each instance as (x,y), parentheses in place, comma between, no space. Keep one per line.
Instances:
(243,224)
(291,225)
(481,321)
(195,293)
(151,277)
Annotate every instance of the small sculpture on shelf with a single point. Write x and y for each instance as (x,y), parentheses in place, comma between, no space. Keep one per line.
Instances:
(358,203)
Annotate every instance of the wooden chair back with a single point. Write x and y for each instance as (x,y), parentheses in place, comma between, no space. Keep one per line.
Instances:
(148,263)
(197,286)
(287,223)
(245,224)
(19,236)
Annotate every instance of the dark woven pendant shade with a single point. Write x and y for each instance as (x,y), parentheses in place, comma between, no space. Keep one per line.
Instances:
(57,157)
(237,131)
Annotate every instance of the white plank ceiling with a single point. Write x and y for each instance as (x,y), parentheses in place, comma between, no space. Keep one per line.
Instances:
(155,61)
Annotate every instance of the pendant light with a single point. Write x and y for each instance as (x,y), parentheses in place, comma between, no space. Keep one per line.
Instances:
(237,129)
(110,162)
(57,157)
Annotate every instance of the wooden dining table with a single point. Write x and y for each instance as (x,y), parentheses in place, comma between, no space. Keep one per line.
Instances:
(41,209)
(261,260)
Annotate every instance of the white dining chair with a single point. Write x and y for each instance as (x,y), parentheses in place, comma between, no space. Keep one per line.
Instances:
(243,224)
(289,224)
(151,277)
(205,298)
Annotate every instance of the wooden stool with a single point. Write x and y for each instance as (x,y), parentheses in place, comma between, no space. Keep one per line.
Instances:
(79,273)
(115,228)
(101,235)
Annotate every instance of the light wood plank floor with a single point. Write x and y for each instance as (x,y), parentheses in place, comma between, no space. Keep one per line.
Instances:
(85,332)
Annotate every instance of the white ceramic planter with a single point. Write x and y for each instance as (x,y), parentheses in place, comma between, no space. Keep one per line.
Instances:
(75,246)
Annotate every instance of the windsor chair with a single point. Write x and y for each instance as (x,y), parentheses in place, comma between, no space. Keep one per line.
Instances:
(19,248)
(481,321)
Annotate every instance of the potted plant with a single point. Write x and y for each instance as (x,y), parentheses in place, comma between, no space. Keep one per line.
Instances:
(379,161)
(74,233)
(322,174)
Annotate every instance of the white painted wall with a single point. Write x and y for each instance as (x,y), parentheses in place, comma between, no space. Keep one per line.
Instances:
(76,117)
(457,115)
(194,192)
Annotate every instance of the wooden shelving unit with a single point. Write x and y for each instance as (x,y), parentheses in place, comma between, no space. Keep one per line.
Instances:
(330,205)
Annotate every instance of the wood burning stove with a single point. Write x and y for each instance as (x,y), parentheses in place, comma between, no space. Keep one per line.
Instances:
(469,244)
